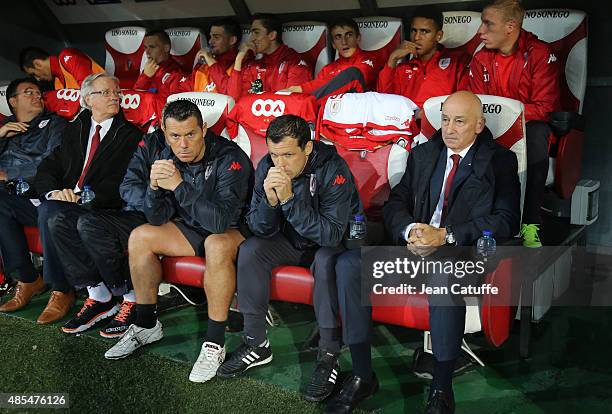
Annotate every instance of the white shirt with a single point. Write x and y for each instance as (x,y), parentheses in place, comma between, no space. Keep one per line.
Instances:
(436,218)
(106,124)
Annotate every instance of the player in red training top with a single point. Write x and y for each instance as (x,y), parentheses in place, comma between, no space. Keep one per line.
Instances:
(217,60)
(515,64)
(430,68)
(67,69)
(353,71)
(276,66)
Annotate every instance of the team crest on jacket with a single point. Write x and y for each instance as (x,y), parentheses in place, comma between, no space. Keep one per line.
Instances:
(281,68)
(165,77)
(313,184)
(444,63)
(43,123)
(208,171)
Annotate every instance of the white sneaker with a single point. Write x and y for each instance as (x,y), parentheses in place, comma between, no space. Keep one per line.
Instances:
(211,357)
(134,338)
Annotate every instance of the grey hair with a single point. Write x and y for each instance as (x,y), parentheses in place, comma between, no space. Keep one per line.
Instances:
(87,86)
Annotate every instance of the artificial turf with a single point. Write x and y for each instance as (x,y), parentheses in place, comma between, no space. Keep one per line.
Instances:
(41,359)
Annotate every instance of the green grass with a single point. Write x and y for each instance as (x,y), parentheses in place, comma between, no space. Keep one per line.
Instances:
(40,359)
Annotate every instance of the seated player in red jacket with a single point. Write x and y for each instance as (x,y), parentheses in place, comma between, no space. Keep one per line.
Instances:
(353,71)
(515,64)
(276,66)
(217,60)
(161,70)
(67,69)
(430,68)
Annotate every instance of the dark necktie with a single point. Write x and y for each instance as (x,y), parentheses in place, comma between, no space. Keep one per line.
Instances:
(95,143)
(449,184)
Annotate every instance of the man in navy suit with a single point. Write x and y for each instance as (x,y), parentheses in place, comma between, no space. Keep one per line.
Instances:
(456,185)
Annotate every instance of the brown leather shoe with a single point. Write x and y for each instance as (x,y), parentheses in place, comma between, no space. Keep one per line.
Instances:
(58,306)
(23,294)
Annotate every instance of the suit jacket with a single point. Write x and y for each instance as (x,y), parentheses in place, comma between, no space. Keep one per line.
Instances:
(485,193)
(63,167)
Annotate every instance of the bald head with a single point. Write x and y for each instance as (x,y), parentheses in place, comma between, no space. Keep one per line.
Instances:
(462,120)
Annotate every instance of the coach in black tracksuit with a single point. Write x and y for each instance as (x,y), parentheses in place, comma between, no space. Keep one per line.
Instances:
(197,190)
(303,199)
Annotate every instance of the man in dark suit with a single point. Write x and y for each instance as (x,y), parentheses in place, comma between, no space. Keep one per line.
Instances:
(455,186)
(95,150)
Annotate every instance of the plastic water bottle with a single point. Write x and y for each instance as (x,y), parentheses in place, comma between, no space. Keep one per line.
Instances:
(87,195)
(357,228)
(486,245)
(22,186)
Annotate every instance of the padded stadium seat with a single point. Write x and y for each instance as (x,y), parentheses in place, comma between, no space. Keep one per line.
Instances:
(140,108)
(310,40)
(5,111)
(186,42)
(376,171)
(248,121)
(504,118)
(214,107)
(125,53)
(64,102)
(460,30)
(381,35)
(566,32)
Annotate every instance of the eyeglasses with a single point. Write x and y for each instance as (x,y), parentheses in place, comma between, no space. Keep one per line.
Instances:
(28,92)
(107,93)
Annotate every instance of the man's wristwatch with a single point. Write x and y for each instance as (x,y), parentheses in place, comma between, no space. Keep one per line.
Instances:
(450,237)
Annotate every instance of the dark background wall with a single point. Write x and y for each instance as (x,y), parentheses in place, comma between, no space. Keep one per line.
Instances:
(30,22)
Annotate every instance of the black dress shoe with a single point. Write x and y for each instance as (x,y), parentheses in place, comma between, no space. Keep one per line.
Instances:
(423,364)
(354,390)
(440,402)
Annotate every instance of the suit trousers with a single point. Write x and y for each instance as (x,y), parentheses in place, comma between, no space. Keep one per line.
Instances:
(94,247)
(356,317)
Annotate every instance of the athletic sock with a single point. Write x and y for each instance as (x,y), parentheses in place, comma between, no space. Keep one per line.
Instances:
(216,332)
(146,315)
(130,296)
(99,293)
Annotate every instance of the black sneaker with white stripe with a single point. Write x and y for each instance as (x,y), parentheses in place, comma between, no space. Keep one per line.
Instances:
(324,377)
(245,357)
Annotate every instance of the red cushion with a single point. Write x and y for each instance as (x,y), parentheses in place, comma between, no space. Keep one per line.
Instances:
(292,284)
(184,270)
(33,238)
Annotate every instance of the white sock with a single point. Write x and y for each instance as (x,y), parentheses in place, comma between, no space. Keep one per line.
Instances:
(99,292)
(130,296)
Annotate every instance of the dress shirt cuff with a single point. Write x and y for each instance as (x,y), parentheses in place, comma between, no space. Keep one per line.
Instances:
(407,231)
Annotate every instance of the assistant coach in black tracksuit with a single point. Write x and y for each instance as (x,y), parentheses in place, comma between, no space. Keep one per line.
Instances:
(303,199)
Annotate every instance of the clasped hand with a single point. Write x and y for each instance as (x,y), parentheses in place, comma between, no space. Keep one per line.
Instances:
(164,174)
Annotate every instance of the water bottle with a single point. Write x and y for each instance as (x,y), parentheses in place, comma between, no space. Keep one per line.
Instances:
(486,245)
(357,227)
(357,232)
(87,195)
(22,186)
